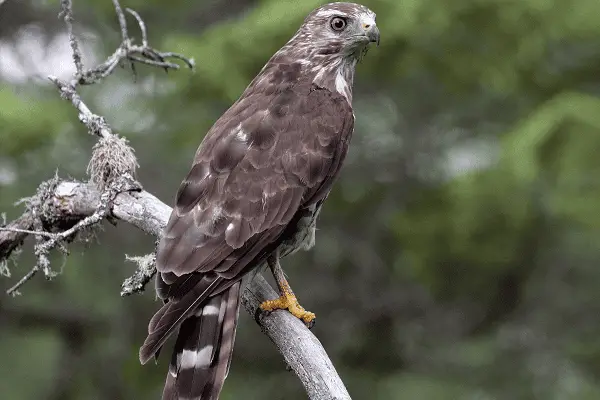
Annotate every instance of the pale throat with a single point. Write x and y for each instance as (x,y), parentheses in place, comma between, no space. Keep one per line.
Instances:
(338,76)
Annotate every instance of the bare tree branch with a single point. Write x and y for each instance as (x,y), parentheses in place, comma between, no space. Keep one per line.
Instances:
(43,247)
(12,235)
(301,349)
(127,50)
(113,163)
(141,24)
(60,210)
(142,275)
(67,15)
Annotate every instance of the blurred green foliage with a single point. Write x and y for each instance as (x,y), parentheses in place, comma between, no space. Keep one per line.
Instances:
(28,122)
(457,257)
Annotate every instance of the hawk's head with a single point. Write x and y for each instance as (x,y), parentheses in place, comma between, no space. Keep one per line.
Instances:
(324,50)
(338,29)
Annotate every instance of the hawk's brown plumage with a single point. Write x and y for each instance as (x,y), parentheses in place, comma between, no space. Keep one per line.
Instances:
(256,185)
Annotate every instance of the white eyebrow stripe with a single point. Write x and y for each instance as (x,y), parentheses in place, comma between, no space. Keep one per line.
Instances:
(367,19)
(329,13)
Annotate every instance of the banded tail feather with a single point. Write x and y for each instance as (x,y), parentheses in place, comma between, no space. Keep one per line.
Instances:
(179,305)
(203,350)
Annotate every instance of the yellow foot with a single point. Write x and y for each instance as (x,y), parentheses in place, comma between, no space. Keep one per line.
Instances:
(290,302)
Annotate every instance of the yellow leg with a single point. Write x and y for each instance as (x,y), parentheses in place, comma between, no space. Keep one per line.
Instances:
(288,300)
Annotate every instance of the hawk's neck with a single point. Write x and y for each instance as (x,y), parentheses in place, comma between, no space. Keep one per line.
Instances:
(290,66)
(338,76)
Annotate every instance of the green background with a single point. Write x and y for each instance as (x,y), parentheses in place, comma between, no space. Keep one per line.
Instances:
(457,257)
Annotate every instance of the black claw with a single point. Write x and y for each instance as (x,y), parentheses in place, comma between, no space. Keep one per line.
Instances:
(311,324)
(257,315)
(260,313)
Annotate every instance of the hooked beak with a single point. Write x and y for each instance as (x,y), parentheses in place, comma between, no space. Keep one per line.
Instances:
(372,33)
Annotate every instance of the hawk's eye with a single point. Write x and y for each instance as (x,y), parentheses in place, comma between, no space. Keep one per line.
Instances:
(338,23)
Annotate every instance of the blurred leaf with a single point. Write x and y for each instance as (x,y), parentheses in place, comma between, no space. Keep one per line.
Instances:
(28,122)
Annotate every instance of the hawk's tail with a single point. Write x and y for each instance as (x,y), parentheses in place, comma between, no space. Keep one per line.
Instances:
(203,350)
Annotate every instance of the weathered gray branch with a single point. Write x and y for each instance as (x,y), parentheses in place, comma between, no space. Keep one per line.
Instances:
(301,349)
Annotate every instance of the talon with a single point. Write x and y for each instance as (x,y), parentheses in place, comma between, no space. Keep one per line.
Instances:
(290,302)
(258,313)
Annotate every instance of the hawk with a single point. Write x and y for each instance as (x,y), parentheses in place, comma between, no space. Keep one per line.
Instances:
(253,194)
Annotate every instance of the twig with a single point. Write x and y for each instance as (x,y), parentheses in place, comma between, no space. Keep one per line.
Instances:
(164,64)
(142,275)
(14,290)
(28,232)
(142,26)
(96,124)
(10,238)
(67,14)
(122,21)
(127,51)
(112,156)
